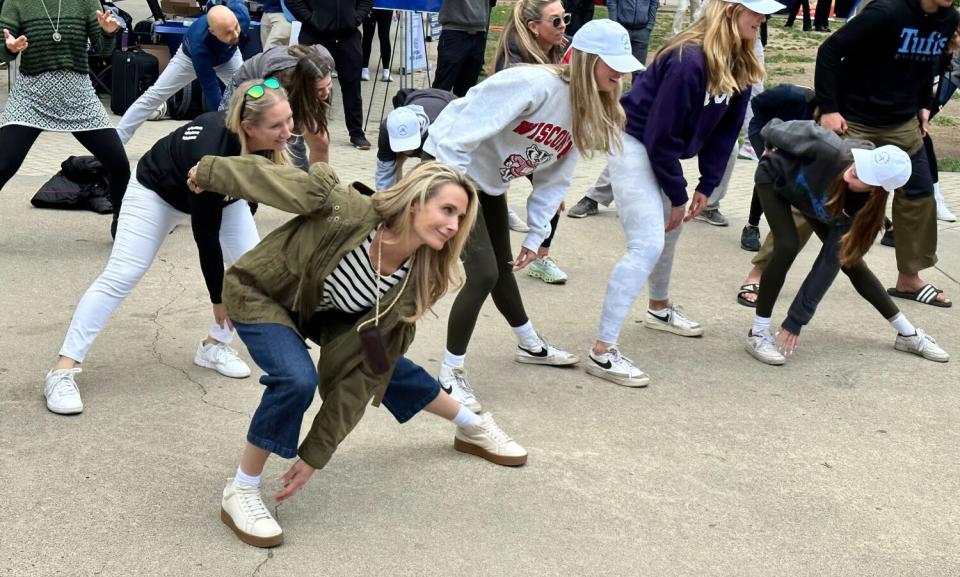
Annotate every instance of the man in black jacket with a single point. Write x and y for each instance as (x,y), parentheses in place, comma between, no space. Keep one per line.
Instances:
(334,24)
(874,81)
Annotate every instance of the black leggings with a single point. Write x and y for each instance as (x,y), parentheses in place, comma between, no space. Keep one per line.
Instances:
(786,245)
(554,222)
(381,20)
(486,261)
(103,143)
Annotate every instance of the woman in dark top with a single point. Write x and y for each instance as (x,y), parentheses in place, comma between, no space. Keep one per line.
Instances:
(841,188)
(260,122)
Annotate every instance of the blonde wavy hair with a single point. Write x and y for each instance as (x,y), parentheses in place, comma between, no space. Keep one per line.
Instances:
(245,108)
(433,272)
(598,118)
(732,64)
(523,12)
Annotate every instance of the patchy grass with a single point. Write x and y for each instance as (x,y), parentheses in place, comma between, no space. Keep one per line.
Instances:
(948,164)
(944,121)
(789,59)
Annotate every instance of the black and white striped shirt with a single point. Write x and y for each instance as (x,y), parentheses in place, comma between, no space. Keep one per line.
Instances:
(350,287)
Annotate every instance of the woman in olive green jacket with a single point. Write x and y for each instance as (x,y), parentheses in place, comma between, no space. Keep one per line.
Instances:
(353,273)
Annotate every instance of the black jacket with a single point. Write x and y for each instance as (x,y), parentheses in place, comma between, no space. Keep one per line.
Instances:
(326,19)
(879,68)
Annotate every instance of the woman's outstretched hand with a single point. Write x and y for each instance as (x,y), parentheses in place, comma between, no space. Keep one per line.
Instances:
(107,22)
(14,44)
(192,180)
(294,480)
(787,341)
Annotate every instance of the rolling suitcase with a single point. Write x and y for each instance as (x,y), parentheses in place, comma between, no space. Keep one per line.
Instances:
(133,72)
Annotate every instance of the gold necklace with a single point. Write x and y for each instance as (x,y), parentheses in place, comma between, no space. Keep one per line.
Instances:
(56,29)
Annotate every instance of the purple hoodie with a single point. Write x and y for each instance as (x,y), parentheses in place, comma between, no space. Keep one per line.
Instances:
(669,112)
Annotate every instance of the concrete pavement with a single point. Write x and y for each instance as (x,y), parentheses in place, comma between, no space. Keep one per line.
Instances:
(842,462)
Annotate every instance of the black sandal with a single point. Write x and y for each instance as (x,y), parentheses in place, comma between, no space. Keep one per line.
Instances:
(748,289)
(927,294)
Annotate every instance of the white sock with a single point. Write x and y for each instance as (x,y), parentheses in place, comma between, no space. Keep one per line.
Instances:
(903,326)
(245,479)
(466,418)
(761,326)
(526,334)
(936,188)
(453,361)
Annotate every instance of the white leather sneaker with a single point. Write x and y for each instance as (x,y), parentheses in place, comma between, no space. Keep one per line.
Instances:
(764,349)
(454,383)
(62,393)
(672,320)
(923,345)
(616,368)
(537,351)
(943,209)
(487,440)
(221,358)
(242,509)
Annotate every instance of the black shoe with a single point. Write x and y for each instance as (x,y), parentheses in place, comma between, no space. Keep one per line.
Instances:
(888,238)
(822,28)
(788,24)
(807,28)
(360,142)
(750,238)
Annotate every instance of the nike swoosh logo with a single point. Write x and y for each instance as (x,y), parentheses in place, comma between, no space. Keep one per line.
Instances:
(448,389)
(607,365)
(663,318)
(541,353)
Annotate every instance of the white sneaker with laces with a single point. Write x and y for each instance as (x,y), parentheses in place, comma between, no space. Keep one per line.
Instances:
(221,358)
(943,209)
(488,440)
(386,75)
(537,351)
(763,348)
(243,510)
(365,74)
(62,393)
(515,222)
(616,368)
(672,320)
(454,382)
(923,345)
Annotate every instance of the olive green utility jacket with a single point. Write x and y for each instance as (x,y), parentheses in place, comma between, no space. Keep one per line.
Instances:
(281,281)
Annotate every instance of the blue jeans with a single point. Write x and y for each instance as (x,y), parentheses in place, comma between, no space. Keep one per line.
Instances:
(291,382)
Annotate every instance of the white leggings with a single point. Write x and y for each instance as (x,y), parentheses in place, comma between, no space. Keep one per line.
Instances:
(145,221)
(644,210)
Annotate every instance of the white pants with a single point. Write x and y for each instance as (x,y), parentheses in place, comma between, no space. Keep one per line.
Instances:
(178,73)
(145,221)
(680,14)
(644,211)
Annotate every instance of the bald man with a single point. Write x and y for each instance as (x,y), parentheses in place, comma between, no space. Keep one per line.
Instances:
(209,51)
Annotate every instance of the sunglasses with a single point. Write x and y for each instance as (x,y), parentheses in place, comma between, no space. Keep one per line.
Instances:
(558,19)
(256,91)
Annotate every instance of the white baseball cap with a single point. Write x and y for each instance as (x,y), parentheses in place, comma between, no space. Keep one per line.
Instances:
(760,6)
(887,166)
(610,42)
(405,127)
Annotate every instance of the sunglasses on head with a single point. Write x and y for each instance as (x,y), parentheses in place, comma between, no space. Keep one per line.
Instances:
(256,91)
(556,20)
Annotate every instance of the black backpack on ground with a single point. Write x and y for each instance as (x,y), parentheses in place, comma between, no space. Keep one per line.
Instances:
(132,72)
(81,184)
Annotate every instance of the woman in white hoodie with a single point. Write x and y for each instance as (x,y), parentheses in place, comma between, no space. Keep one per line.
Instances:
(525,121)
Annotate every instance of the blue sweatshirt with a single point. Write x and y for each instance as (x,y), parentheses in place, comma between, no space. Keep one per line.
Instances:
(206,52)
(669,111)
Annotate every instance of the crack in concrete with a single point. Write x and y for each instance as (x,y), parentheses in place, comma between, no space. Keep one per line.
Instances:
(276,517)
(155,345)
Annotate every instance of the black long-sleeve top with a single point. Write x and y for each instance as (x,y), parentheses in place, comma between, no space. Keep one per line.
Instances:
(879,68)
(164,170)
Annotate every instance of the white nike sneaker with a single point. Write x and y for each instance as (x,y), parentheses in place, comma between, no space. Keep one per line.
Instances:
(515,222)
(537,351)
(943,209)
(923,345)
(62,393)
(672,320)
(616,368)
(487,440)
(454,383)
(763,348)
(242,509)
(221,358)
